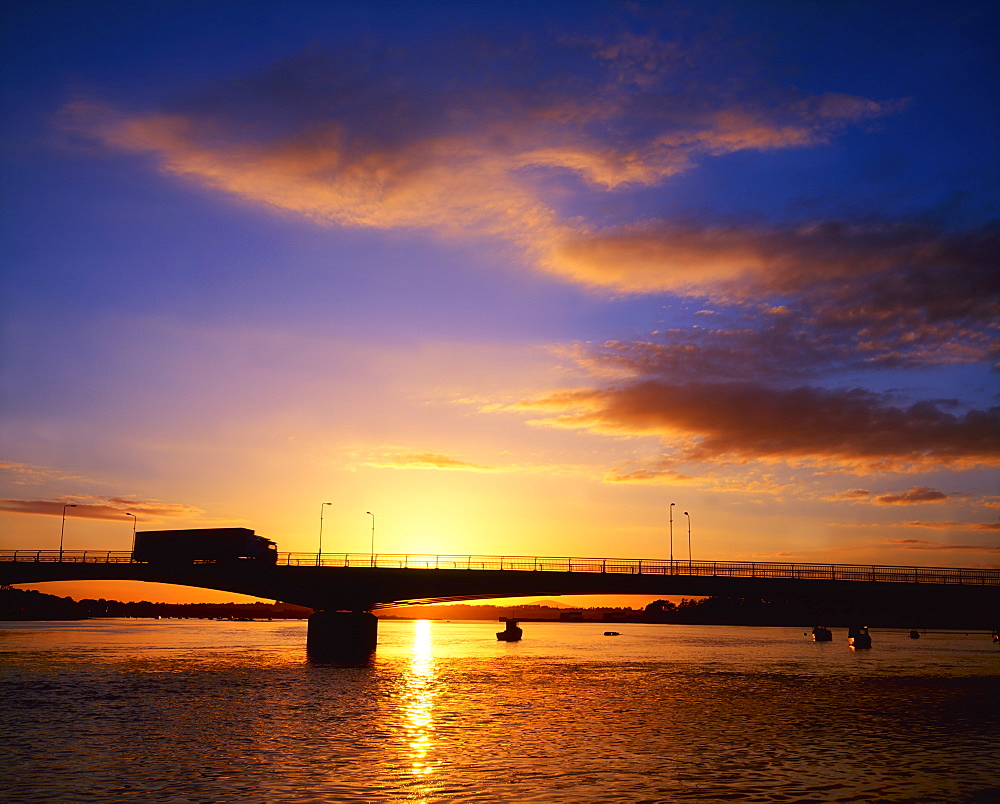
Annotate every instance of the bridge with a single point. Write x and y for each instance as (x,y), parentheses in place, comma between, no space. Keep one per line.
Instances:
(345,588)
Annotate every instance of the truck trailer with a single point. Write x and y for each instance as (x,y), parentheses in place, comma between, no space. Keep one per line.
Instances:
(202,545)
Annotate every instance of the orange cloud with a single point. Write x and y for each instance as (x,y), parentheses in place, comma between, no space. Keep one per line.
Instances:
(747,421)
(912,496)
(91,507)
(852,494)
(741,260)
(443,183)
(24,474)
(340,144)
(449,183)
(950,526)
(916,494)
(655,472)
(425,460)
(919,544)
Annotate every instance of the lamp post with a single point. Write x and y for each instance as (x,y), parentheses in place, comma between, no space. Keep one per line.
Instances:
(319,555)
(672,537)
(62,531)
(135,521)
(689,541)
(373,536)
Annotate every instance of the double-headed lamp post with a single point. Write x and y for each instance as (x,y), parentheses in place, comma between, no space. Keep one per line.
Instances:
(689,541)
(62,531)
(373,536)
(135,521)
(672,537)
(319,554)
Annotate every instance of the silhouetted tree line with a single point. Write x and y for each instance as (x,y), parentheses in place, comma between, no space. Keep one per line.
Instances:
(525,611)
(27,604)
(143,608)
(21,604)
(885,612)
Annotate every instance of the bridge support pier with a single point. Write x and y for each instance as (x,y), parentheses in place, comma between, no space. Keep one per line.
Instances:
(342,636)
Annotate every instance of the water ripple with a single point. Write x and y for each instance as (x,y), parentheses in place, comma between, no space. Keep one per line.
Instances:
(443,714)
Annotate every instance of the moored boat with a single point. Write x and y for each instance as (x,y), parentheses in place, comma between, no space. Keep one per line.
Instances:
(822,634)
(511,633)
(859,637)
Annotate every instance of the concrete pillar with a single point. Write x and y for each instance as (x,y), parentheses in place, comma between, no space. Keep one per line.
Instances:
(347,636)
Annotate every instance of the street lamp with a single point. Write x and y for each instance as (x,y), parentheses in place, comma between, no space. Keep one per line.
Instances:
(62,531)
(689,541)
(135,521)
(672,537)
(319,555)
(373,535)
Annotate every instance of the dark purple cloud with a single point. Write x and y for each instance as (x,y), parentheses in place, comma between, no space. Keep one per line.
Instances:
(745,421)
(890,293)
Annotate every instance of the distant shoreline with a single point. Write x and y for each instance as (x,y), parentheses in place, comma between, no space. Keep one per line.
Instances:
(31,605)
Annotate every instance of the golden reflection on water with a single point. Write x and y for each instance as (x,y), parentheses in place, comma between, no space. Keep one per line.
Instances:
(420,692)
(445,714)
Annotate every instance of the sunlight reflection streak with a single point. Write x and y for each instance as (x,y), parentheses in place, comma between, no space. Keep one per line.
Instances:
(420,694)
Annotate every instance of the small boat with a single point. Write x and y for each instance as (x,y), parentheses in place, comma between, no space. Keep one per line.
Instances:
(859,637)
(511,633)
(914,634)
(822,634)
(612,633)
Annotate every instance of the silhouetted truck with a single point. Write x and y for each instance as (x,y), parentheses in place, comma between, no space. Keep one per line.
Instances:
(203,545)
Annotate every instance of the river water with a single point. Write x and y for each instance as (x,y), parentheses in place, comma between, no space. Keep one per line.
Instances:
(202,711)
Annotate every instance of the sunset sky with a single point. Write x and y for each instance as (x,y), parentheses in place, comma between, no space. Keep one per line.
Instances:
(513,278)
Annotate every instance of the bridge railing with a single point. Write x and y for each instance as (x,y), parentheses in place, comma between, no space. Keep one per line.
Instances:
(721,569)
(69,556)
(966,576)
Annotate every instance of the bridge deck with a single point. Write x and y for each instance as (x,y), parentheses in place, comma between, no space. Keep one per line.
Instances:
(963,576)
